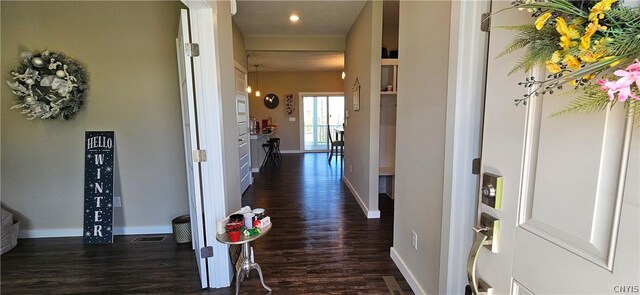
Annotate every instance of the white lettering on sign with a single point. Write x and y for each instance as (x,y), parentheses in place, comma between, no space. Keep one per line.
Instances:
(98,187)
(97,230)
(99,142)
(99,159)
(98,199)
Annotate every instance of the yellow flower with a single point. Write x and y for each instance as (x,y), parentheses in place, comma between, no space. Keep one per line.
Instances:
(590,57)
(553,67)
(561,25)
(572,62)
(542,20)
(591,29)
(555,57)
(563,29)
(566,43)
(597,11)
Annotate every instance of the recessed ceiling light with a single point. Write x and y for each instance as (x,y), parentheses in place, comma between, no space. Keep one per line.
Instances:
(294,18)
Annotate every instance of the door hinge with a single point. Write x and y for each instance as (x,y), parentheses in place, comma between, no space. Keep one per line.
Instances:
(199,156)
(485,22)
(206,252)
(475,166)
(192,49)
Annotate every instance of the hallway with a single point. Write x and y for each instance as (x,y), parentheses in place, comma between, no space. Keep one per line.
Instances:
(321,241)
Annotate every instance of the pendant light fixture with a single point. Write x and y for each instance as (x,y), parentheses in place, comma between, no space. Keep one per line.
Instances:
(257,83)
(248,86)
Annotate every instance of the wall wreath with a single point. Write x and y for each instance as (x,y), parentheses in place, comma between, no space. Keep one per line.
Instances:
(49,85)
(588,46)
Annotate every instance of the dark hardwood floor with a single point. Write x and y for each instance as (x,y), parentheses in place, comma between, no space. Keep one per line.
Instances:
(320,243)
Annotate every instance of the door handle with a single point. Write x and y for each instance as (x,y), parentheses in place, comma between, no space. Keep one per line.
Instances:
(486,235)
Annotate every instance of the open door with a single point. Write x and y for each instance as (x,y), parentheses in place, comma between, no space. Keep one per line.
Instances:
(187,97)
(560,196)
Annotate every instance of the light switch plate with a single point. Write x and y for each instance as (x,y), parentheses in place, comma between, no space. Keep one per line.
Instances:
(292,119)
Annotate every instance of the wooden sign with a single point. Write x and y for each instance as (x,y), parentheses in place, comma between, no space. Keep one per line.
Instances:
(98,187)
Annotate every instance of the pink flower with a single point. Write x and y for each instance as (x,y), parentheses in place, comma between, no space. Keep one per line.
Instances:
(623,86)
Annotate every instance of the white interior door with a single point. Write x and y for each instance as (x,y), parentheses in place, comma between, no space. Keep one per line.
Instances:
(187,97)
(569,222)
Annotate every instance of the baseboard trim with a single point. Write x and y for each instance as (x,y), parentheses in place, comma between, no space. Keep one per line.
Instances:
(291,151)
(406,273)
(369,213)
(77,232)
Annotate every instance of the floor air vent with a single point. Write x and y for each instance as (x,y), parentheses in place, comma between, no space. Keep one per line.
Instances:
(156,239)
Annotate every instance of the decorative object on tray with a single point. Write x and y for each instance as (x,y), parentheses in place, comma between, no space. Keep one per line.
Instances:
(48,85)
(234,229)
(590,46)
(290,106)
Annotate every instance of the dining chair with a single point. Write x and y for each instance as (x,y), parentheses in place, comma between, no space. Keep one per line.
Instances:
(334,145)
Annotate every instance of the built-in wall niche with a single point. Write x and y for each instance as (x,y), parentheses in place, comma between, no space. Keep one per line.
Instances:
(389,76)
(388,97)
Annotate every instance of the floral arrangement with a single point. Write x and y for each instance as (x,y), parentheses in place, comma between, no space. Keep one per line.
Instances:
(290,107)
(48,85)
(593,46)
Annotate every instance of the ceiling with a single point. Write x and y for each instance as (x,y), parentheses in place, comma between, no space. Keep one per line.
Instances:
(317,18)
(269,17)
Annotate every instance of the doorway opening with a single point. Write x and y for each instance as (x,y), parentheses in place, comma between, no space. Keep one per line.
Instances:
(322,120)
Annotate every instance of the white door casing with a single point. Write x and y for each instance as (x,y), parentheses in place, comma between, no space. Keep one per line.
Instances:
(570,211)
(187,98)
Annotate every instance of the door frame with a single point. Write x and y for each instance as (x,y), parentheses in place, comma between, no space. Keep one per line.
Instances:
(301,114)
(468,48)
(206,67)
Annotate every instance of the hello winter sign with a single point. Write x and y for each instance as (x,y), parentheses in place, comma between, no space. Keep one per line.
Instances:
(98,187)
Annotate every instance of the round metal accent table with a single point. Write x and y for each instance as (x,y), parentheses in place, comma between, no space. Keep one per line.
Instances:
(247,264)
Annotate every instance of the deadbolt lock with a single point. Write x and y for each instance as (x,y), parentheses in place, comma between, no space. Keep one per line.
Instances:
(491,190)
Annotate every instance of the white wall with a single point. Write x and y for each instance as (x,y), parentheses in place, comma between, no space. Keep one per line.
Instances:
(420,142)
(362,61)
(129,50)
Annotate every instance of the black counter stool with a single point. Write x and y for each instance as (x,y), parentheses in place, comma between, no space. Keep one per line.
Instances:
(276,144)
(269,151)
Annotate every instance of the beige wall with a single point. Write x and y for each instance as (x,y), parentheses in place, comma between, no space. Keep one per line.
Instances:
(362,61)
(231,155)
(282,83)
(390,37)
(239,53)
(129,50)
(422,98)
